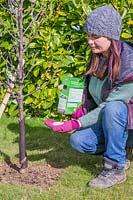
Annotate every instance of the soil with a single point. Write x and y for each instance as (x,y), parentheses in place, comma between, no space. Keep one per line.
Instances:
(42,175)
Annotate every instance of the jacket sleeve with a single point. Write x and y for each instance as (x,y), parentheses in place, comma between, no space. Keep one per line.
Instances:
(122,92)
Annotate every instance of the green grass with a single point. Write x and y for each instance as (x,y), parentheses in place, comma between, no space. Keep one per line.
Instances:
(44,146)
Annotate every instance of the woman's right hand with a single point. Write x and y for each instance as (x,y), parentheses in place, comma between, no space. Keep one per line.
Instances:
(78,113)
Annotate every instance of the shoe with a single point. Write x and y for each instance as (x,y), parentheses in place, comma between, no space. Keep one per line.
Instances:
(110,176)
(127,165)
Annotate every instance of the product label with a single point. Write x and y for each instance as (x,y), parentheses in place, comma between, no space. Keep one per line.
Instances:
(71,95)
(75,95)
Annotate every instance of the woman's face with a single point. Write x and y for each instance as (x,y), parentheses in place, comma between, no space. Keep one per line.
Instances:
(99,44)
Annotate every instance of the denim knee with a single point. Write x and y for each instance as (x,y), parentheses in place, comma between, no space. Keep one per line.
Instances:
(114,110)
(78,143)
(75,143)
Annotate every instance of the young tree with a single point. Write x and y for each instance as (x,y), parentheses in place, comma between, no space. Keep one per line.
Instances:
(20,21)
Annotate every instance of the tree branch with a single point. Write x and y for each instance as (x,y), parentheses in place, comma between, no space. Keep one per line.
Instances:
(39,88)
(31,66)
(31,10)
(31,37)
(32,21)
(4,7)
(7,61)
(13,36)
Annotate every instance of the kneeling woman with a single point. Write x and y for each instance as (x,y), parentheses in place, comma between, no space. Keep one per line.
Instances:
(106,114)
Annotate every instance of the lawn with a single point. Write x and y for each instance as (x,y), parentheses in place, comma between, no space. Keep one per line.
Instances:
(46,147)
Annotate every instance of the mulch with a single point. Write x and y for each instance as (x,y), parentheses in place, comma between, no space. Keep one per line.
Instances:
(38,175)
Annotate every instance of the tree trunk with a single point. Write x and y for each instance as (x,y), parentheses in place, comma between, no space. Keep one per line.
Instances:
(20,71)
(22,143)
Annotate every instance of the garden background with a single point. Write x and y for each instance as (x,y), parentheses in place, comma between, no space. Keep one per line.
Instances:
(58,48)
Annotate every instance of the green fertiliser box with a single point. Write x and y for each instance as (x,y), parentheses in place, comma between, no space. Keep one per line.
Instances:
(71,95)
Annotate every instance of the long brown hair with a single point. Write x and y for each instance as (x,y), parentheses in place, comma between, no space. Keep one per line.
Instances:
(115,53)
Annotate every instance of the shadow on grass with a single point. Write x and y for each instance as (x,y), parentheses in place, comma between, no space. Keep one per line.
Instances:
(8,161)
(42,143)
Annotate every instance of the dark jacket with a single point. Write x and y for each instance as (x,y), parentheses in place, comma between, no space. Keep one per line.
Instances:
(125,76)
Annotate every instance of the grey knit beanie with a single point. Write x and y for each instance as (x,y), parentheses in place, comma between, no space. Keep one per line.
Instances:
(104,21)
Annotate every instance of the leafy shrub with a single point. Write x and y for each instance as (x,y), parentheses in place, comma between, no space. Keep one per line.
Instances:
(59,48)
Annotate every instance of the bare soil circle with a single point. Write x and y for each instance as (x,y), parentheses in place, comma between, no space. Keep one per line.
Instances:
(38,175)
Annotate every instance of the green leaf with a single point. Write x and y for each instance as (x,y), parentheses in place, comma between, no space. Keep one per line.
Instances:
(126,35)
(130,22)
(29,100)
(13,110)
(61,13)
(39,61)
(36,71)
(86,8)
(33,45)
(56,39)
(4,44)
(2,64)
(36,94)
(31,87)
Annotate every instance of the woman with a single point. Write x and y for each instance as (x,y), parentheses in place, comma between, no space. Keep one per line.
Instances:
(107,111)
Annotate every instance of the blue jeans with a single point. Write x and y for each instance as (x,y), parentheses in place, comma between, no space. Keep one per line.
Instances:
(108,136)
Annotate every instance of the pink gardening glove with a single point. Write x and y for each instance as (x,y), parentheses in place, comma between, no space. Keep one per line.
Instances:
(78,113)
(49,122)
(66,126)
(63,127)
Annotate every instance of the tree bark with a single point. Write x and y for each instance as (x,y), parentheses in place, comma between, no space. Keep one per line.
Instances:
(22,138)
(22,142)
